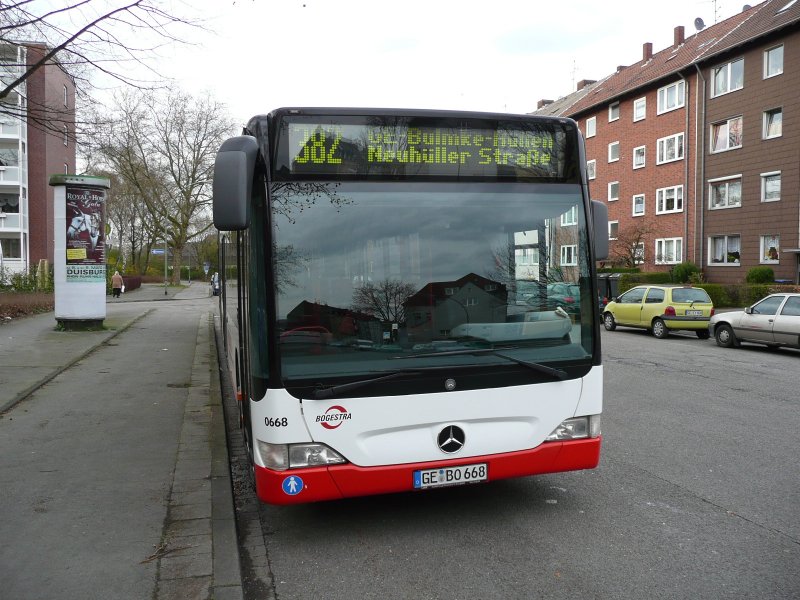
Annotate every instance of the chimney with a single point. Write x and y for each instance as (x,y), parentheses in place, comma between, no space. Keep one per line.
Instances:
(647,51)
(679,37)
(584,82)
(543,103)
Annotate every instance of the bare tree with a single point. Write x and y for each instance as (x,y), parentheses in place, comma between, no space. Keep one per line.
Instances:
(86,35)
(384,300)
(163,147)
(627,250)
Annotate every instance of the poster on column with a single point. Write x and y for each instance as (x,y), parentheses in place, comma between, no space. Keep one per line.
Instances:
(86,244)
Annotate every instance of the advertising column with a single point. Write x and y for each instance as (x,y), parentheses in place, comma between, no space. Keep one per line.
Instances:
(80,250)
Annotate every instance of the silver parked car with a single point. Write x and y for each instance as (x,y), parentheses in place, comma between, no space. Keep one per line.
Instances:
(773,321)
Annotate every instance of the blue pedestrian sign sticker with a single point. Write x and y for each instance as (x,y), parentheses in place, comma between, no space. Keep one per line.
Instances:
(292,485)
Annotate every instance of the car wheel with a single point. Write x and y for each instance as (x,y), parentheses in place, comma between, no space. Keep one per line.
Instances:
(703,334)
(725,336)
(660,329)
(608,322)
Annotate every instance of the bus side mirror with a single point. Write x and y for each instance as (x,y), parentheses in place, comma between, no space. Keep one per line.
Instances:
(234,168)
(600,218)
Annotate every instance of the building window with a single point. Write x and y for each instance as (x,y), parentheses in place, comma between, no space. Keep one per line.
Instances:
(669,149)
(613,191)
(639,109)
(773,123)
(523,256)
(726,135)
(65,96)
(471,302)
(591,127)
(591,169)
(66,169)
(569,256)
(771,186)
(613,229)
(727,78)
(773,61)
(638,253)
(669,251)
(670,97)
(66,136)
(613,152)
(638,205)
(725,193)
(613,112)
(770,249)
(12,248)
(570,217)
(9,157)
(9,203)
(669,200)
(450,291)
(725,249)
(638,157)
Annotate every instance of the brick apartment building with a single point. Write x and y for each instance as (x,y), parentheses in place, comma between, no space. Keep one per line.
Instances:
(696,148)
(37,139)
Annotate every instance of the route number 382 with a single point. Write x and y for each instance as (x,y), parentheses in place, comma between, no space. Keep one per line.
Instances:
(319,147)
(276,422)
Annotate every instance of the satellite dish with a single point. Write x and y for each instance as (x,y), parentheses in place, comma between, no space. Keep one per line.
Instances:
(698,24)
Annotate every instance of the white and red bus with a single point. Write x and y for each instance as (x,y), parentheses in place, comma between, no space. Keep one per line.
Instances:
(409,299)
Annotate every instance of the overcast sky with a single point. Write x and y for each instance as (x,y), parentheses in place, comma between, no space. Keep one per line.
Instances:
(501,55)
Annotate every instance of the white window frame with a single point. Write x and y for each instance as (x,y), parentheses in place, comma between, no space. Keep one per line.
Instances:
(727,134)
(764,177)
(725,262)
(766,122)
(638,253)
(610,146)
(677,244)
(611,110)
(66,136)
(661,146)
(570,217)
(661,199)
(65,96)
(663,94)
(726,181)
(611,196)
(639,104)
(591,127)
(569,255)
(610,223)
(767,52)
(766,258)
(644,157)
(591,169)
(633,205)
(728,67)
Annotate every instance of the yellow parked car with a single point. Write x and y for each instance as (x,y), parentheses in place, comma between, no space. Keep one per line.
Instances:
(661,309)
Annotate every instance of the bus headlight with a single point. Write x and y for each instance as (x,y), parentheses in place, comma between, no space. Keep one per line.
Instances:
(291,456)
(576,429)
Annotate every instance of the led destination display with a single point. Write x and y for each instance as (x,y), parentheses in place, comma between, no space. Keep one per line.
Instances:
(407,147)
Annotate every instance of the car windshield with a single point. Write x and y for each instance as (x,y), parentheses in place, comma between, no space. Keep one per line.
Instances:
(369,273)
(690,295)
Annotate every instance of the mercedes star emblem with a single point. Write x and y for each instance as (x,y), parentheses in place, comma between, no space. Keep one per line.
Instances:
(451,439)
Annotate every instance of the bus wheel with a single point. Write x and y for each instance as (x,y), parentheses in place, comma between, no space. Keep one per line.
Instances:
(660,329)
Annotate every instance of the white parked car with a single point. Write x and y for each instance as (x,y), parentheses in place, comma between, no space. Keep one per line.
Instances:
(773,321)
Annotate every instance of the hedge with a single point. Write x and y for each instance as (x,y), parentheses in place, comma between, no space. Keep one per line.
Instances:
(722,295)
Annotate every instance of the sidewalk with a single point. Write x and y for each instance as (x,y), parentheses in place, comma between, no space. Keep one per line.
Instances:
(198,555)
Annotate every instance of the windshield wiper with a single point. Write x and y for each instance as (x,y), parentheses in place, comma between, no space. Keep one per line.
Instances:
(333,391)
(539,368)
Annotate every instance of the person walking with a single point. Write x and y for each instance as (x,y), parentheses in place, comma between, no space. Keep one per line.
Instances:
(117,283)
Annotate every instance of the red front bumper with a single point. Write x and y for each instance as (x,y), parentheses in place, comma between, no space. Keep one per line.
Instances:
(298,486)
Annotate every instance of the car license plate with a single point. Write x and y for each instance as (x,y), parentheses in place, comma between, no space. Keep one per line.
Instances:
(694,313)
(445,476)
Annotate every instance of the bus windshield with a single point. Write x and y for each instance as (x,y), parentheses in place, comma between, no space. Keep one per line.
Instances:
(436,274)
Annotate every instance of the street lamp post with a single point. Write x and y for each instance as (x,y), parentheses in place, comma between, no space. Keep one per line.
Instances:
(165,259)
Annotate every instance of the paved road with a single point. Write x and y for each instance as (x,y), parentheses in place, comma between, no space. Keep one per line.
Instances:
(697,496)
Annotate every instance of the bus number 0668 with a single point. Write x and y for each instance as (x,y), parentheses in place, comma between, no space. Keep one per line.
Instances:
(277,422)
